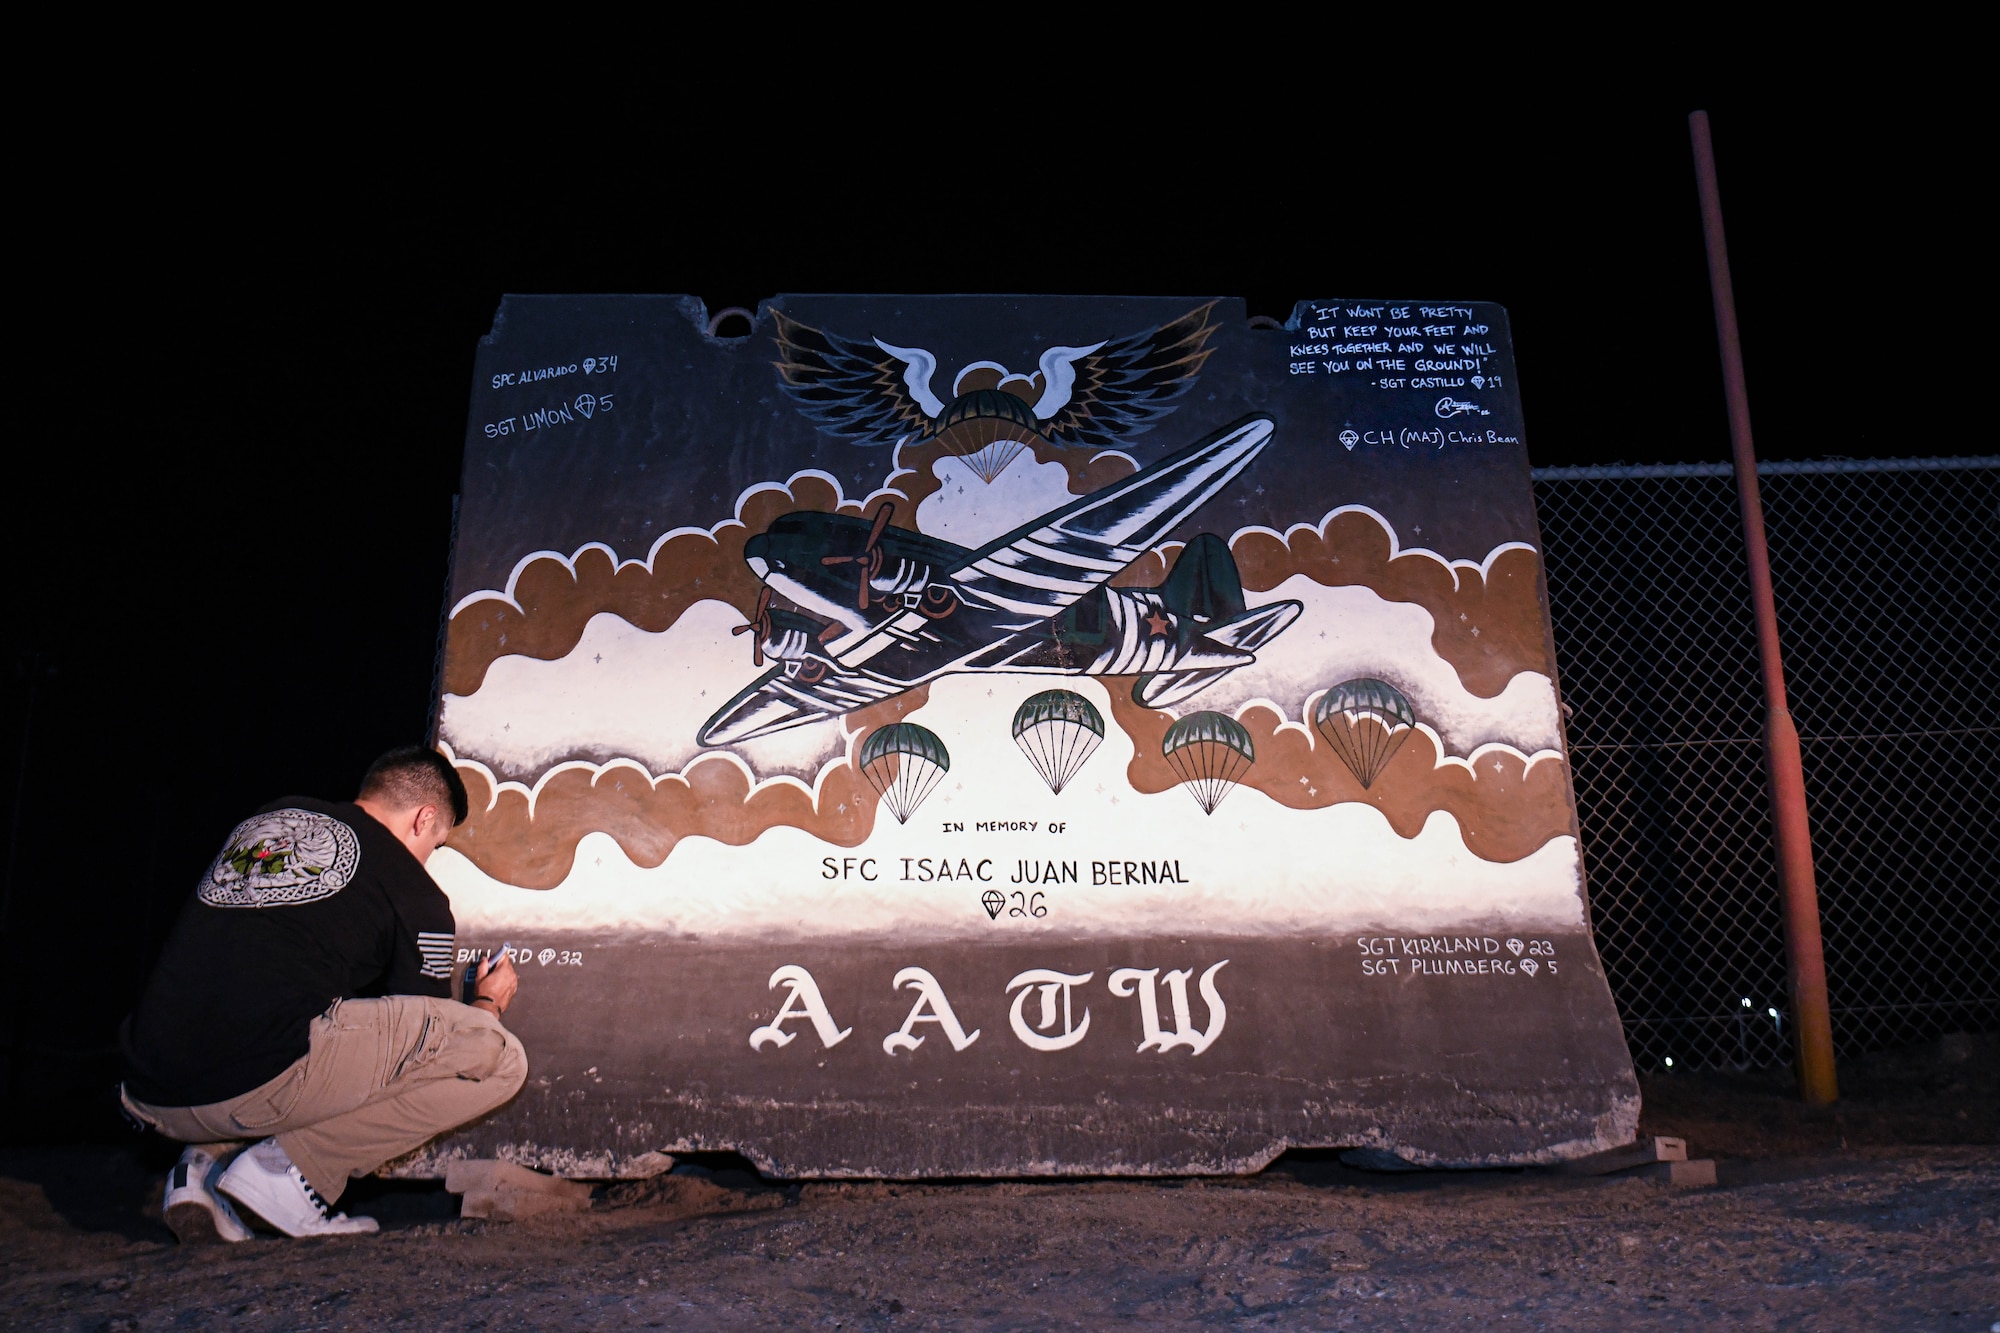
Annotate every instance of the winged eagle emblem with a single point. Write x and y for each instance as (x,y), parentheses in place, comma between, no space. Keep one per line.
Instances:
(874,392)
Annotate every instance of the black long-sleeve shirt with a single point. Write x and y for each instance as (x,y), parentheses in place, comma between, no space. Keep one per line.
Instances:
(310,902)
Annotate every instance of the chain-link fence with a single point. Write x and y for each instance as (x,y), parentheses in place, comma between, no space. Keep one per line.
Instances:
(1887,608)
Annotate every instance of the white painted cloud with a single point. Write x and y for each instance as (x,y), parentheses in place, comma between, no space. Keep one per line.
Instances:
(1351,632)
(624,692)
(971,512)
(1252,867)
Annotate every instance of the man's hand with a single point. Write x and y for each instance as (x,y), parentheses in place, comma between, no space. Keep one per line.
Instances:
(497,983)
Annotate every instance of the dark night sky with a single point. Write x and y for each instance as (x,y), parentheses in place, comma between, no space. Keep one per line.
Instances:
(227,543)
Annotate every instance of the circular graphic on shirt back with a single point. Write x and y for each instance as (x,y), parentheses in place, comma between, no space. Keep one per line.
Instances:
(281,859)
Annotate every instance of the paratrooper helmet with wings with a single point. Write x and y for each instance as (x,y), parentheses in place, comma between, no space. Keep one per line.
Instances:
(877,393)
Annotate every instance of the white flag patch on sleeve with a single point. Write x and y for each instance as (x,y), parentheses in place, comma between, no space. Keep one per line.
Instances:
(437,951)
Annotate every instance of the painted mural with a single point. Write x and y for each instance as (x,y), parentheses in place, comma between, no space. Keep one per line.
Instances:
(1063,661)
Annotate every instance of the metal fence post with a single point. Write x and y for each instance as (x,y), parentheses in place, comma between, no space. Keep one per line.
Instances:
(1812,1024)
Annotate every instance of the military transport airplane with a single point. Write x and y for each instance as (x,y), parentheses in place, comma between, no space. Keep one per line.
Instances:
(877,610)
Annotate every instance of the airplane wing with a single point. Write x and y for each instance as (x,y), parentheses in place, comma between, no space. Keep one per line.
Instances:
(1044,565)
(777,702)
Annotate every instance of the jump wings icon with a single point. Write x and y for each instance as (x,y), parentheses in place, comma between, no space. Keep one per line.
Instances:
(876,393)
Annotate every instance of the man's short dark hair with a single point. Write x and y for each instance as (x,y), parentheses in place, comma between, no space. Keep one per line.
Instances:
(410,775)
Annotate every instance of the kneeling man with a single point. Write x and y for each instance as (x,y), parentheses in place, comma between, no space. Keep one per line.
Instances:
(303,1006)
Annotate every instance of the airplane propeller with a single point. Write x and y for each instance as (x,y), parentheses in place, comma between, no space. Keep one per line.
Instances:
(870,558)
(760,624)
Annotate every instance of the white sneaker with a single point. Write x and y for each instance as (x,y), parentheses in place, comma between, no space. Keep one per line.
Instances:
(264,1181)
(192,1207)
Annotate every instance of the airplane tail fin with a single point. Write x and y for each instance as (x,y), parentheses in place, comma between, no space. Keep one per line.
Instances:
(1251,630)
(1242,634)
(1204,586)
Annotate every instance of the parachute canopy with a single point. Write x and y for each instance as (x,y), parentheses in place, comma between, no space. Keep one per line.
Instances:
(1211,752)
(1058,730)
(1365,721)
(988,428)
(904,762)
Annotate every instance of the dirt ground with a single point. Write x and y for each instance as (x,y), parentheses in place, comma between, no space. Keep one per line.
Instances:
(1881,1213)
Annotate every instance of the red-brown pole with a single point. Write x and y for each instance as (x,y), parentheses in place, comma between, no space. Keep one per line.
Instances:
(1812,1024)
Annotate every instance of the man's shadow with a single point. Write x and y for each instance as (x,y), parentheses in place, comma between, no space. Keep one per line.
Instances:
(92,1187)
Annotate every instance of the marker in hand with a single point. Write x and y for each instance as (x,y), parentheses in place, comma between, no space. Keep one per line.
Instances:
(481,968)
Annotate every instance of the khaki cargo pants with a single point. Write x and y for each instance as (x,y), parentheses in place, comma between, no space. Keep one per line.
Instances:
(380,1077)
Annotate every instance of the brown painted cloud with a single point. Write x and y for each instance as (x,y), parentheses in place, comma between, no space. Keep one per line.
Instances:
(1506,808)
(1488,627)
(556,604)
